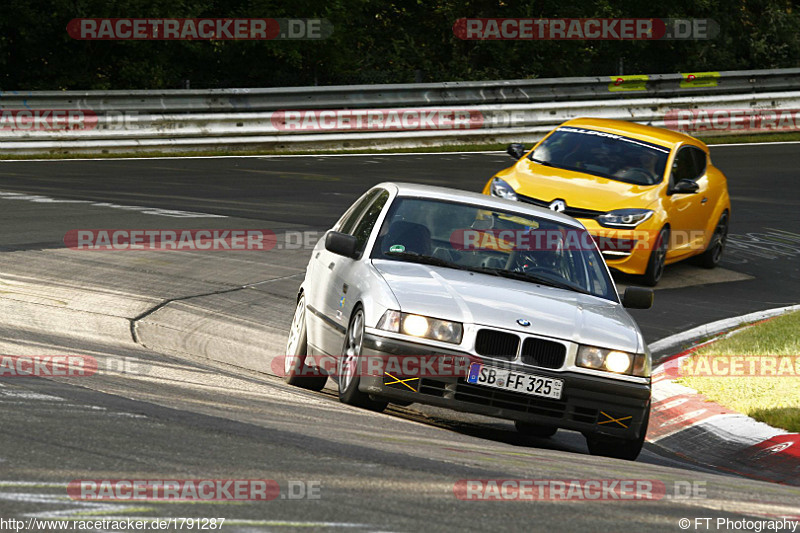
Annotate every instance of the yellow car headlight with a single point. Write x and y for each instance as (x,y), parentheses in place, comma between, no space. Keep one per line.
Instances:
(421,326)
(624,218)
(501,189)
(615,361)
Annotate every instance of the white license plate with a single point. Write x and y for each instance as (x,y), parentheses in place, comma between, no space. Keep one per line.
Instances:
(511,380)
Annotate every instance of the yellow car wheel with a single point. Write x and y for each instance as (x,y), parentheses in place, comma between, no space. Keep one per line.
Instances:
(711,257)
(658,259)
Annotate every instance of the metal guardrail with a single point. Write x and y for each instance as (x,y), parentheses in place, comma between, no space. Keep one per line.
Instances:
(422,94)
(522,110)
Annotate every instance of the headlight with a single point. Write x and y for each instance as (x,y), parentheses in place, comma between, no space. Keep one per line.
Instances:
(421,326)
(615,361)
(618,362)
(501,189)
(624,218)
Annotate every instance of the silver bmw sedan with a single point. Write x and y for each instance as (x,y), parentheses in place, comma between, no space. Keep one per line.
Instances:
(450,298)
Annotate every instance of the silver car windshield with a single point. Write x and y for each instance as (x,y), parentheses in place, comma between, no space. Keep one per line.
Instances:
(607,155)
(500,243)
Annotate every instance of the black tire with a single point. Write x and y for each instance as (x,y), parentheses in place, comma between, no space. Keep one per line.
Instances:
(617,448)
(297,373)
(349,364)
(711,257)
(535,430)
(658,258)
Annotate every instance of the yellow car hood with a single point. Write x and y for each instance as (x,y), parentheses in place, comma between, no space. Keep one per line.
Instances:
(586,191)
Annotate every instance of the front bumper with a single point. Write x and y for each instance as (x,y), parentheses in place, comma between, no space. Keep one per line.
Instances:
(589,404)
(626,250)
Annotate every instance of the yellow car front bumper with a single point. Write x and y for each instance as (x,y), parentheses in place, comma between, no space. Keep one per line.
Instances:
(625,250)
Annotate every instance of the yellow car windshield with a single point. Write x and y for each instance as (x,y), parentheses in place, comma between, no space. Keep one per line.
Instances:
(603,154)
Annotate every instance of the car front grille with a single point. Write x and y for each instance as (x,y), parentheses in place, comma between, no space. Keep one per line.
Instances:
(543,353)
(466,392)
(575,212)
(497,344)
(511,401)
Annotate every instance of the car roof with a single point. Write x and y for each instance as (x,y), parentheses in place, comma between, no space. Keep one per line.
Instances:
(659,136)
(413,190)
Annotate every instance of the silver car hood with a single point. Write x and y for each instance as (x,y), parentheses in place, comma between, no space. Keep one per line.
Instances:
(472,297)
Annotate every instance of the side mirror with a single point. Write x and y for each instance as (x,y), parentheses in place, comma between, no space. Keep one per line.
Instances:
(685,187)
(637,298)
(516,150)
(341,244)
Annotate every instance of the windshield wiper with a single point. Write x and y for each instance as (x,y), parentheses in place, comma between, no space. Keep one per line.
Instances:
(574,169)
(542,162)
(424,259)
(542,280)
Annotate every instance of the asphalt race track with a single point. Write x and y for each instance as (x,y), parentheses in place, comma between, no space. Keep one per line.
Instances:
(185,343)
(314,191)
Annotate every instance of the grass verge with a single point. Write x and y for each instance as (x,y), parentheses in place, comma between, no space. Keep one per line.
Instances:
(773,400)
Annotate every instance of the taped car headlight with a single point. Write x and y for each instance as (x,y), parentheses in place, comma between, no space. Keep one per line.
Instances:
(421,326)
(624,218)
(501,189)
(615,361)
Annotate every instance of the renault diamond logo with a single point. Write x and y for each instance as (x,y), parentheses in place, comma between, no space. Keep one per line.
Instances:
(524,323)
(558,205)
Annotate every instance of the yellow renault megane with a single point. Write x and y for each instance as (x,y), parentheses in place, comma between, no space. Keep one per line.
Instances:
(649,196)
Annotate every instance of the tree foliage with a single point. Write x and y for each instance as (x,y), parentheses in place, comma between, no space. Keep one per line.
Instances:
(395,41)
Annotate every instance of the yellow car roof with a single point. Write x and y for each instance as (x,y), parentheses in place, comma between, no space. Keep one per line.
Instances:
(660,136)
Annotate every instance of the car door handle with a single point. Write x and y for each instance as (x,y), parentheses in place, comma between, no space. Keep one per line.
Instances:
(344,288)
(704,200)
(330,267)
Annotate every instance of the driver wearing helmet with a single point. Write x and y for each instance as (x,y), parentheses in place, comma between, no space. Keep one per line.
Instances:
(641,170)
